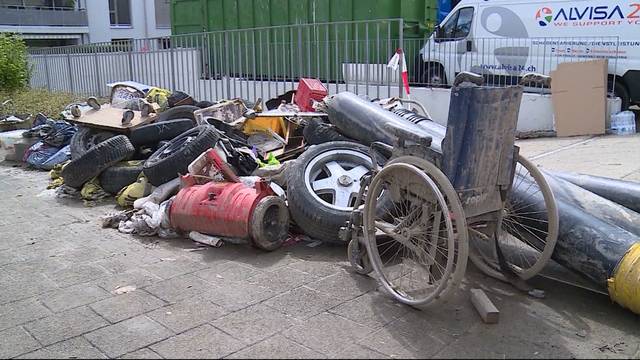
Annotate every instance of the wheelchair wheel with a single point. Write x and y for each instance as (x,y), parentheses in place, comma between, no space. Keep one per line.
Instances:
(528,231)
(418,247)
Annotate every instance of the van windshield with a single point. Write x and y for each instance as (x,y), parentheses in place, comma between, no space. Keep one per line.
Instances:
(458,26)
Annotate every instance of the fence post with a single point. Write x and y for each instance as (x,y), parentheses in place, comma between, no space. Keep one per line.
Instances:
(400,45)
(97,66)
(46,71)
(173,67)
(226,55)
(73,90)
(130,59)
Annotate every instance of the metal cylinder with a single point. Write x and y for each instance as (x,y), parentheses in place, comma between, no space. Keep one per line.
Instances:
(217,208)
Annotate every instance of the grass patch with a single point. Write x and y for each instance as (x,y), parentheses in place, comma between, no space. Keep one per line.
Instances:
(33,101)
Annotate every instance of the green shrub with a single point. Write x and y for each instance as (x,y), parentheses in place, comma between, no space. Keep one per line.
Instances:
(14,65)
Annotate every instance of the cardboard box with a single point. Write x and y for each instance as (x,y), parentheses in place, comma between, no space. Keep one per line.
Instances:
(579,94)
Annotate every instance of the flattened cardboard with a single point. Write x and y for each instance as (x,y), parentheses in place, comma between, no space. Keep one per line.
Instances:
(110,118)
(579,95)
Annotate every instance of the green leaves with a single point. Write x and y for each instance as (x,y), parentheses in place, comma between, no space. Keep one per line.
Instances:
(14,64)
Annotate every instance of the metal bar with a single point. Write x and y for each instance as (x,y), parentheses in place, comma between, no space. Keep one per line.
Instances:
(46,69)
(71,83)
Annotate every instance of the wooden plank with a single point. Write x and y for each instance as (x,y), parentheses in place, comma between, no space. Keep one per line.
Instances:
(109,118)
(488,312)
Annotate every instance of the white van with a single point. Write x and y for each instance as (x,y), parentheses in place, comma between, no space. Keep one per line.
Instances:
(503,39)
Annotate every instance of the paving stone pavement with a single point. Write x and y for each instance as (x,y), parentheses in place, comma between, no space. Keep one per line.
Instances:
(59,270)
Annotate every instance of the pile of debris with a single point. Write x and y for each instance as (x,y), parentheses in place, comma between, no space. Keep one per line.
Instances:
(233,171)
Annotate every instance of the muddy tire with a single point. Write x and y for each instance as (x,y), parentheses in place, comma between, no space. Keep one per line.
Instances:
(314,213)
(174,157)
(97,159)
(121,175)
(269,223)
(86,138)
(318,132)
(178,112)
(154,133)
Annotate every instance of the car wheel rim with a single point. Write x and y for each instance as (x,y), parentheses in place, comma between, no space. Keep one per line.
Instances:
(333,177)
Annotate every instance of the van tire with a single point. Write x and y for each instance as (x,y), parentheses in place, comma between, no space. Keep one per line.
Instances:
(620,90)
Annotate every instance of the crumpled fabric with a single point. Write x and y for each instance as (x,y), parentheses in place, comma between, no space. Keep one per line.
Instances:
(159,96)
(56,175)
(127,196)
(63,155)
(92,191)
(38,154)
(150,220)
(53,133)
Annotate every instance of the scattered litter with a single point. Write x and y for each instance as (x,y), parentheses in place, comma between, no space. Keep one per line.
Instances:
(205,239)
(314,243)
(537,293)
(124,289)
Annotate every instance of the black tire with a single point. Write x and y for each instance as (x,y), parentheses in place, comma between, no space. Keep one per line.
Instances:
(165,130)
(318,132)
(313,217)
(96,159)
(204,104)
(431,74)
(120,175)
(86,138)
(178,112)
(269,226)
(174,157)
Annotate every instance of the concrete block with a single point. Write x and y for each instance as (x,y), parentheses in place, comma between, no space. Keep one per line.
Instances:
(303,302)
(488,312)
(277,347)
(128,335)
(76,348)
(188,314)
(254,323)
(179,288)
(74,296)
(202,342)
(20,312)
(16,341)
(65,325)
(124,306)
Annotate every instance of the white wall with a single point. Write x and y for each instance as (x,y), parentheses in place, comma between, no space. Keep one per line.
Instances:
(143,22)
(98,16)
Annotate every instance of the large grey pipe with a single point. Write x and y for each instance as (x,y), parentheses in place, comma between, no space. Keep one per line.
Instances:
(625,193)
(364,121)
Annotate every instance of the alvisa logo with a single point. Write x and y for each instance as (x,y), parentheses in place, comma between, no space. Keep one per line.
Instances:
(589,15)
(544,16)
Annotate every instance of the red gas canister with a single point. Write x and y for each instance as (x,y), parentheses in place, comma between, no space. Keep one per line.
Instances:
(232,210)
(309,89)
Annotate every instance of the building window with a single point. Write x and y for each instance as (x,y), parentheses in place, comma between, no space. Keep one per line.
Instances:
(163,19)
(120,12)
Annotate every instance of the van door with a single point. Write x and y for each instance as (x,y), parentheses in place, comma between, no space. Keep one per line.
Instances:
(451,49)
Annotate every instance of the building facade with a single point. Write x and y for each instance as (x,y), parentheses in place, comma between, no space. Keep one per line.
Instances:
(44,23)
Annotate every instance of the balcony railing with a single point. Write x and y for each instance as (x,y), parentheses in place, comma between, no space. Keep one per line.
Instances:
(38,16)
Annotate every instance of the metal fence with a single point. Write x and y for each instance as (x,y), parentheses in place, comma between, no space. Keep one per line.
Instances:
(265,62)
(502,61)
(249,63)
